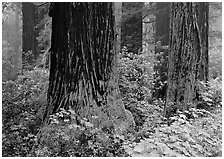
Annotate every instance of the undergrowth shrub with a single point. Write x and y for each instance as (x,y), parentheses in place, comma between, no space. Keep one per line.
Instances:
(22,104)
(9,69)
(68,136)
(210,94)
(136,76)
(160,72)
(197,136)
(136,82)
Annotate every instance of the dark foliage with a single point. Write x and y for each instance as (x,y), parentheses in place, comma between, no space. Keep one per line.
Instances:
(22,105)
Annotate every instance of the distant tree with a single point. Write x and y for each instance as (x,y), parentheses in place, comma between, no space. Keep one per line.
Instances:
(161,49)
(162,22)
(83,74)
(43,34)
(17,42)
(29,42)
(131,28)
(43,27)
(215,39)
(185,55)
(11,35)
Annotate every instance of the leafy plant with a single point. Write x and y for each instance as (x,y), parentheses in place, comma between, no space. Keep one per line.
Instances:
(22,104)
(9,70)
(136,82)
(198,136)
(68,135)
(136,78)
(210,94)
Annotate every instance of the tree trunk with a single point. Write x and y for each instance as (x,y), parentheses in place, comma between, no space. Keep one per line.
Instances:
(29,42)
(162,22)
(83,75)
(161,52)
(131,29)
(203,10)
(185,56)
(17,42)
(42,28)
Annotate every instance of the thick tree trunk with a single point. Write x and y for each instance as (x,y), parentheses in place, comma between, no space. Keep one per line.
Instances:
(131,28)
(161,52)
(29,42)
(185,56)
(83,62)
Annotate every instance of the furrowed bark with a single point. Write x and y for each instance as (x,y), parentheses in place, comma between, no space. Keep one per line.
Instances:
(83,62)
(185,56)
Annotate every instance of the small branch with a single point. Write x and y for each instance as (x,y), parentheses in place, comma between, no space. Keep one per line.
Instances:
(148,22)
(42,4)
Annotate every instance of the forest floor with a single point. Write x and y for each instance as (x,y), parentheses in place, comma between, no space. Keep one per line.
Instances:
(193,133)
(198,137)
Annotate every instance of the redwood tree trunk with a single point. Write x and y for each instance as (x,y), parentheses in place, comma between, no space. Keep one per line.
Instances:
(162,22)
(203,10)
(29,42)
(131,28)
(83,62)
(185,56)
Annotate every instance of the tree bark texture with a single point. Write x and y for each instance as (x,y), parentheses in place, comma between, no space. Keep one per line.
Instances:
(185,56)
(83,62)
(203,11)
(29,42)
(131,28)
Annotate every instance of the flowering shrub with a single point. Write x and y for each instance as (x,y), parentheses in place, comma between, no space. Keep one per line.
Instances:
(136,82)
(136,75)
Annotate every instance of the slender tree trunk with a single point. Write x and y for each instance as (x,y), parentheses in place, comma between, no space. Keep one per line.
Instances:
(83,62)
(29,42)
(17,30)
(185,56)
(131,29)
(17,42)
